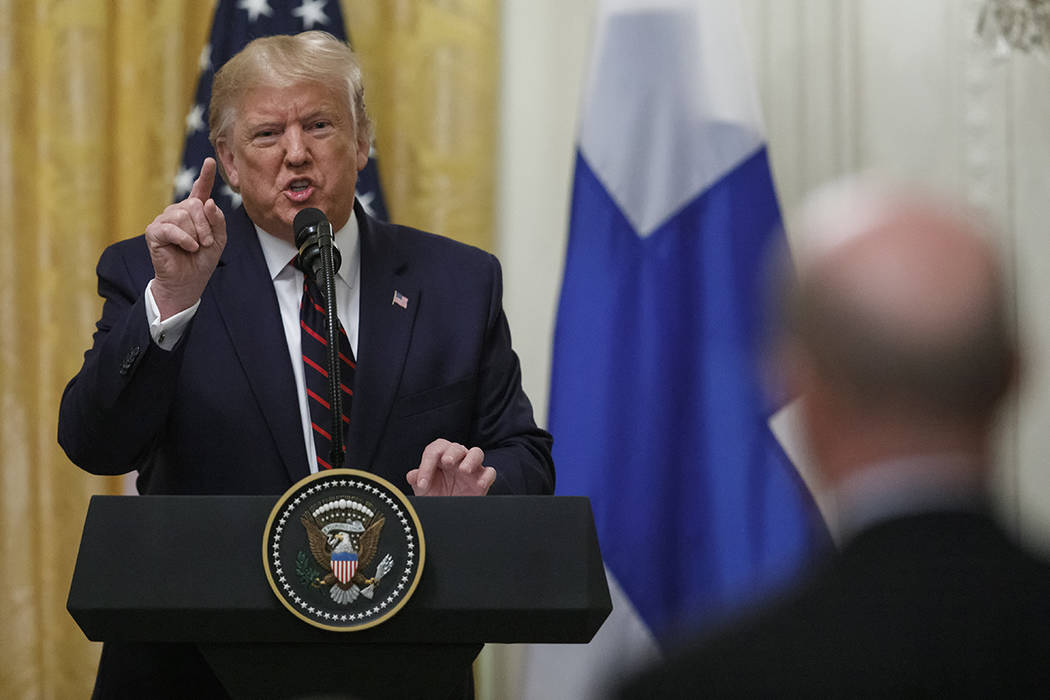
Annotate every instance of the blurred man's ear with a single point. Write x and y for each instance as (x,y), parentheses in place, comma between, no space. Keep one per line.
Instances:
(791,368)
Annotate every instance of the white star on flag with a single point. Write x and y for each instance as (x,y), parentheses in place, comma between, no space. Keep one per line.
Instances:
(255,8)
(311,12)
(184,182)
(235,198)
(195,119)
(204,62)
(366,201)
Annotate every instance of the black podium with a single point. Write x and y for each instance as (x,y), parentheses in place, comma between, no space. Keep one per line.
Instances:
(189,569)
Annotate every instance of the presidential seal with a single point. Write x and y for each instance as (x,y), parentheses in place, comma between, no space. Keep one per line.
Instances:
(343,550)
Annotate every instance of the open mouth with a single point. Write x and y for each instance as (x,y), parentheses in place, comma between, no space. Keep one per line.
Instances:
(299,190)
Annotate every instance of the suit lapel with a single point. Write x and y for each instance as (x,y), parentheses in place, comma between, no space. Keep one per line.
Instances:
(243,292)
(383,340)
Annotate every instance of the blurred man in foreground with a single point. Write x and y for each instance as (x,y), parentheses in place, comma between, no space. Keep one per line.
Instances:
(898,339)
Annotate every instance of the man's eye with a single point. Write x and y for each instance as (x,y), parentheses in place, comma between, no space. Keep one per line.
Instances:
(320,124)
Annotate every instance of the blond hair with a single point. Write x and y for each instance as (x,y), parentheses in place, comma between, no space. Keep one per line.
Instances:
(286,60)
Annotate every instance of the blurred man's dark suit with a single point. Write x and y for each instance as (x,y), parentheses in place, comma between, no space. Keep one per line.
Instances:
(939,604)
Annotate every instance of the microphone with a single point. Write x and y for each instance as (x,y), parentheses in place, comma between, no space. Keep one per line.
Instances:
(319,256)
(313,233)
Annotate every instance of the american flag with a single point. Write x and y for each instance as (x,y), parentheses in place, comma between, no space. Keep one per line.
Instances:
(400,299)
(236,23)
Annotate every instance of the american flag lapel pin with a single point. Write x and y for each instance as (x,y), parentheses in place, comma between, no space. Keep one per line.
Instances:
(400,300)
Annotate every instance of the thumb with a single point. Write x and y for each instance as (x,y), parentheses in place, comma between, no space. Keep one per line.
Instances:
(217,224)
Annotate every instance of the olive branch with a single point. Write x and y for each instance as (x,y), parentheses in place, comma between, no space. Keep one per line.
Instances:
(308,573)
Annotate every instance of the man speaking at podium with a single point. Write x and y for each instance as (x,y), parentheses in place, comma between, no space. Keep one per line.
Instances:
(199,370)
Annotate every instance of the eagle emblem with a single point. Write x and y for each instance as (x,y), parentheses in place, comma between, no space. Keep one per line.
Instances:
(343,534)
(343,550)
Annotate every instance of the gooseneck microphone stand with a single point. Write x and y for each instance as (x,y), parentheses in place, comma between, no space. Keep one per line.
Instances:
(335,381)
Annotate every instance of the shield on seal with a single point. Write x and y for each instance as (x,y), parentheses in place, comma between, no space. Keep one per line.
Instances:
(344,566)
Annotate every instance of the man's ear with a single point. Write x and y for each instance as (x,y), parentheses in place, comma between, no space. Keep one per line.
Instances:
(227,163)
(363,149)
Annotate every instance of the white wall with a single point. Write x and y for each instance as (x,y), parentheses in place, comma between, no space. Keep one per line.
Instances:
(545,46)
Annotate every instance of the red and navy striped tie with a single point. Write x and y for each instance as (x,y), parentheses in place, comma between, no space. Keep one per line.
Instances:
(315,368)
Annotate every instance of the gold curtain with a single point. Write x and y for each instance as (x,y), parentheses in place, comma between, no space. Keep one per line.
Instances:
(433,71)
(94,95)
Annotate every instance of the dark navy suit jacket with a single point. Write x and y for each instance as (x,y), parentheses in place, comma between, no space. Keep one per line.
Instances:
(218,414)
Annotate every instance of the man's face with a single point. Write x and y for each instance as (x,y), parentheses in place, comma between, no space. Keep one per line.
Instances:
(293,148)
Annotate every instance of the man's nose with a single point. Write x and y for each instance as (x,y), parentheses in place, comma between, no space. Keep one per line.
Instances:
(295,150)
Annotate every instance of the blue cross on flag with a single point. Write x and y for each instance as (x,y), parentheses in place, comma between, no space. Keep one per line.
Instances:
(657,405)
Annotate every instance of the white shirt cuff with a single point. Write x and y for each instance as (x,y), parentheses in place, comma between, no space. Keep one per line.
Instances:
(167,333)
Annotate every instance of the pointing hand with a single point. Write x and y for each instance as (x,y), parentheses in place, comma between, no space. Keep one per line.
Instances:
(185,242)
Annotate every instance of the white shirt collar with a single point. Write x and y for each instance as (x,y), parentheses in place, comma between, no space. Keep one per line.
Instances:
(278,252)
(906,486)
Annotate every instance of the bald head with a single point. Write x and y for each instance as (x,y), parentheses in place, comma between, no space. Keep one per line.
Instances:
(899,304)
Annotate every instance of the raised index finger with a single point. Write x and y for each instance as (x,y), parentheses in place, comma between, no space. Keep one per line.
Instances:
(202,185)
